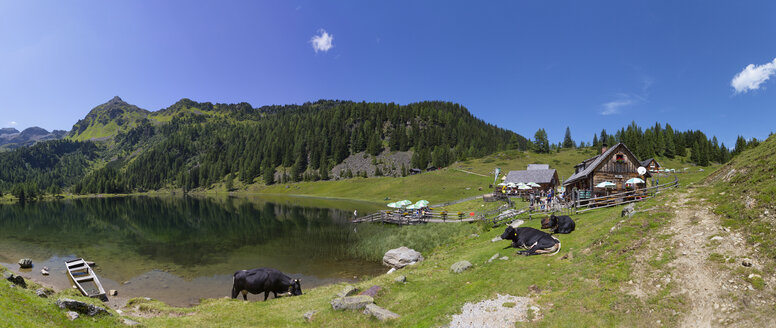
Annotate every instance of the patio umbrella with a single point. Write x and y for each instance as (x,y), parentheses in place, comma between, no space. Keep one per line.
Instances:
(393,205)
(411,207)
(606,184)
(524,187)
(634,180)
(501,184)
(404,202)
(511,185)
(421,203)
(533,184)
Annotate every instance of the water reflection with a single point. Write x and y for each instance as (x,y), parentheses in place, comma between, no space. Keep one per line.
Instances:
(188,243)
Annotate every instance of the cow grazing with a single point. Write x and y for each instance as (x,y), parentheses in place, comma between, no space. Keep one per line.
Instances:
(558,224)
(264,280)
(532,240)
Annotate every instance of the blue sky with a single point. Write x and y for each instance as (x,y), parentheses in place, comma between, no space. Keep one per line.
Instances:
(519,64)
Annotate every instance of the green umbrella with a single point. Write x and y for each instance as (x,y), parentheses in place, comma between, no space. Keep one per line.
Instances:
(411,207)
(421,203)
(393,205)
(403,202)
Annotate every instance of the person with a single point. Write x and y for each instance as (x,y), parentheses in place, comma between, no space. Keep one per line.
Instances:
(355,213)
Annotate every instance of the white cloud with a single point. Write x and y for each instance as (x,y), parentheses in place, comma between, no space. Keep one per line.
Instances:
(322,41)
(613,107)
(753,76)
(12,123)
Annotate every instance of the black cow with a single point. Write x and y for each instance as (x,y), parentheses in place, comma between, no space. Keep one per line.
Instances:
(532,240)
(264,280)
(558,224)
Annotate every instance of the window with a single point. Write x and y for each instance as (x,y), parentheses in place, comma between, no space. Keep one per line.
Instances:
(619,158)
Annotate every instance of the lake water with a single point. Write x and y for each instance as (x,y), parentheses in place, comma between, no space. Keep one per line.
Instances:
(179,250)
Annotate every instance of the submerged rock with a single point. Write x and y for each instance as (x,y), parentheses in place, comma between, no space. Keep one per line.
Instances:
(379,313)
(401,257)
(351,302)
(25,263)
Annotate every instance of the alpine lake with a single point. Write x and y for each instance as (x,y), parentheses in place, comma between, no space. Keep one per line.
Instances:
(182,249)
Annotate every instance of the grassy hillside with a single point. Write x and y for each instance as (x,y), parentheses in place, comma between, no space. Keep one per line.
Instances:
(745,193)
(585,289)
(107,120)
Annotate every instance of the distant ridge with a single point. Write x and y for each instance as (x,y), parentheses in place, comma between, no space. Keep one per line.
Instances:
(11,138)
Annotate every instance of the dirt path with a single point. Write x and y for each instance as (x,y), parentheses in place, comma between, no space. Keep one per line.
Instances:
(692,229)
(718,293)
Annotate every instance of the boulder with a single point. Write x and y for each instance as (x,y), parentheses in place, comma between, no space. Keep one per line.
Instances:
(372,291)
(309,316)
(71,315)
(351,302)
(401,257)
(347,291)
(401,279)
(628,210)
(379,313)
(25,263)
(460,266)
(44,272)
(81,307)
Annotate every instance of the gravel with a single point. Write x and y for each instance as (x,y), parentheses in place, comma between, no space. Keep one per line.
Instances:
(492,313)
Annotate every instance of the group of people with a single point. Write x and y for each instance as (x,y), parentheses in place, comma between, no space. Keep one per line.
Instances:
(542,199)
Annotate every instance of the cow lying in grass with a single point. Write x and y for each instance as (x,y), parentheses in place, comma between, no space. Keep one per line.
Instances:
(531,240)
(264,280)
(558,224)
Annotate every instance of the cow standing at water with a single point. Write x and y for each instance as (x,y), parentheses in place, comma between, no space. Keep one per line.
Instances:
(265,280)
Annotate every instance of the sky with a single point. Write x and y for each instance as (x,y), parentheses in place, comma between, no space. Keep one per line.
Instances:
(521,65)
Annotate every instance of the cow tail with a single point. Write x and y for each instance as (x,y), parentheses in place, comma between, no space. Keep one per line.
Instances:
(559,245)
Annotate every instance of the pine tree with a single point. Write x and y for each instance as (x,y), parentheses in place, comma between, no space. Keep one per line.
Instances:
(567,141)
(269,175)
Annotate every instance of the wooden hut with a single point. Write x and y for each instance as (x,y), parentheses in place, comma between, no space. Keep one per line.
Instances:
(616,164)
(651,165)
(540,174)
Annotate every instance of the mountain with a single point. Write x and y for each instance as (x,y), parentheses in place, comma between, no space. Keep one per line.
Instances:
(107,120)
(11,138)
(195,145)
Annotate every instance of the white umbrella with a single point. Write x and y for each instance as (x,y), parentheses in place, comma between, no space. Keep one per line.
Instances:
(501,184)
(634,180)
(511,185)
(606,184)
(421,203)
(403,202)
(524,187)
(533,184)
(393,205)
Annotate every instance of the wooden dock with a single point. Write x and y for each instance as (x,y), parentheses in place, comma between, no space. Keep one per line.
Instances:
(412,219)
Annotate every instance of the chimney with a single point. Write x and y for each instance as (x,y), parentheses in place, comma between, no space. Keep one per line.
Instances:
(603,148)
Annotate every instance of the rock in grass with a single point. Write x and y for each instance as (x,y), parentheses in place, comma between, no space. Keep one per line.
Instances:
(71,315)
(351,302)
(401,279)
(460,266)
(493,258)
(25,263)
(372,291)
(309,315)
(129,322)
(379,313)
(347,291)
(746,262)
(81,307)
(41,292)
(401,257)
(16,280)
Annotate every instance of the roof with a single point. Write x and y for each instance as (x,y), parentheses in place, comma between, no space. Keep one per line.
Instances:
(537,176)
(538,166)
(593,162)
(646,162)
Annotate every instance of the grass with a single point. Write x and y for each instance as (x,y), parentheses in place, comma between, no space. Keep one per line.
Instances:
(586,290)
(20,307)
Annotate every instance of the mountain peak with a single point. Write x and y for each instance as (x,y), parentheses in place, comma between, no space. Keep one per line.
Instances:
(116,99)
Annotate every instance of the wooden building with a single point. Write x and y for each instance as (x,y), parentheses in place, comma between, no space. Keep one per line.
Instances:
(616,164)
(540,174)
(651,165)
